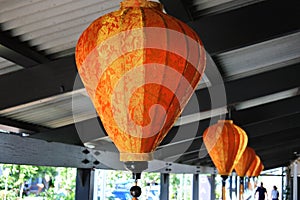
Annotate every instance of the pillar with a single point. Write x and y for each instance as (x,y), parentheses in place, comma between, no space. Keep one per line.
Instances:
(196,187)
(84,184)
(295,181)
(164,186)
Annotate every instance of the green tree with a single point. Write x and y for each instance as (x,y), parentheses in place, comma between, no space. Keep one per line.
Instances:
(18,174)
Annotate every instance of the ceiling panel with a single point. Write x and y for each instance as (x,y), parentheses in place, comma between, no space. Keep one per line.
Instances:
(53,26)
(7,66)
(260,57)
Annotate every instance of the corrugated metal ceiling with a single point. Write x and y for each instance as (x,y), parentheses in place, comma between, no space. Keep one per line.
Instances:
(55,25)
(52,25)
(53,112)
(260,57)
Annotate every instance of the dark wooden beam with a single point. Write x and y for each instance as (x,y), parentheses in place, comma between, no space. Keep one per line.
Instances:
(265,136)
(20,150)
(251,87)
(59,76)
(42,81)
(242,26)
(77,134)
(27,127)
(188,138)
(177,9)
(282,139)
(164,186)
(195,186)
(268,127)
(20,53)
(85,184)
(277,109)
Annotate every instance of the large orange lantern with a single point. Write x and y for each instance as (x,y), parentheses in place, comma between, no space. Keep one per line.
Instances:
(225,143)
(243,165)
(139,67)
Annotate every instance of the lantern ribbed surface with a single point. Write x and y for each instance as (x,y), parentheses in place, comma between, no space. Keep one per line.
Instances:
(139,67)
(258,170)
(245,161)
(225,143)
(254,165)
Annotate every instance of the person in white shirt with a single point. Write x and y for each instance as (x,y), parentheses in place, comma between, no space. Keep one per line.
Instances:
(275,193)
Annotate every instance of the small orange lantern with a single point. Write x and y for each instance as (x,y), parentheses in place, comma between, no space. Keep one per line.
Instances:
(139,67)
(258,170)
(255,164)
(243,165)
(225,143)
(251,171)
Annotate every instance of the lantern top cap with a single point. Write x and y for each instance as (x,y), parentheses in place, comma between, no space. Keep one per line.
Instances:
(225,121)
(141,4)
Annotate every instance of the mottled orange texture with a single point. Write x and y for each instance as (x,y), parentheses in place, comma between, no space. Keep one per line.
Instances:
(254,165)
(225,143)
(258,169)
(245,161)
(128,71)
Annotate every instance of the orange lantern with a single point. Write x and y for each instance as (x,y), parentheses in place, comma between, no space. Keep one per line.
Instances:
(243,165)
(258,170)
(255,164)
(225,143)
(139,67)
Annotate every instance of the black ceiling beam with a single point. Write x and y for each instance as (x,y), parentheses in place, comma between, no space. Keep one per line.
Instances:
(257,136)
(29,151)
(262,126)
(42,81)
(267,111)
(58,76)
(282,138)
(177,9)
(243,26)
(278,156)
(261,141)
(19,53)
(249,88)
(284,155)
(27,127)
(271,126)
(77,134)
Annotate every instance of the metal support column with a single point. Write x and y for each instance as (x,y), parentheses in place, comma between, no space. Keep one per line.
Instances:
(196,187)
(295,181)
(84,184)
(213,187)
(230,187)
(164,186)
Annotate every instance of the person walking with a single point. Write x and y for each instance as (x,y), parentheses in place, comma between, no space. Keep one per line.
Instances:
(261,192)
(275,193)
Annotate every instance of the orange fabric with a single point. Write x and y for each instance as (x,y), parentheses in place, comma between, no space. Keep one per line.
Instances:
(225,143)
(245,161)
(130,113)
(258,170)
(254,165)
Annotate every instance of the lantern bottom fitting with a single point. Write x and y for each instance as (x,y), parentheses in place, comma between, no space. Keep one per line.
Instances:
(124,157)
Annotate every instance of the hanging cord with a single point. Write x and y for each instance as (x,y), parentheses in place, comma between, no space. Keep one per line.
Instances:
(230,108)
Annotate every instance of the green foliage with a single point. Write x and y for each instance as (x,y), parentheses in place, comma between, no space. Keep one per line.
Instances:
(18,174)
(117,176)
